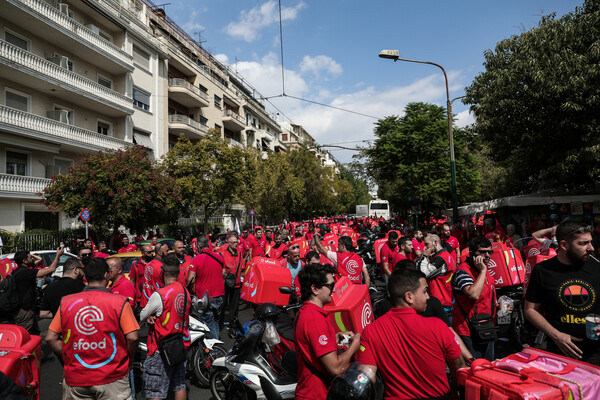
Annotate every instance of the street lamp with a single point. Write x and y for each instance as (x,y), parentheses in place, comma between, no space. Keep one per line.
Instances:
(395,55)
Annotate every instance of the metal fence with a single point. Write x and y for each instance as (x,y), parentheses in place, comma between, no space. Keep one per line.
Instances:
(36,242)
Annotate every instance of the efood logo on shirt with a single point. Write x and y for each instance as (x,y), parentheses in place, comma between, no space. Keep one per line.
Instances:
(179,304)
(322,340)
(351,267)
(85,318)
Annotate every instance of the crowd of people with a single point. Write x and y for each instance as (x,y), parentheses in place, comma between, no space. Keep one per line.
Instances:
(96,310)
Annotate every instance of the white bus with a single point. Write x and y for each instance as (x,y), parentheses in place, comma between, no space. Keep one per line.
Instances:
(381,208)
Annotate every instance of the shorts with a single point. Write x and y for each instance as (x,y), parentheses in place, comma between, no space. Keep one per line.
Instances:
(158,380)
(116,390)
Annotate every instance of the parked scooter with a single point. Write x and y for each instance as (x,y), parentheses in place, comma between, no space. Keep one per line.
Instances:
(252,370)
(202,352)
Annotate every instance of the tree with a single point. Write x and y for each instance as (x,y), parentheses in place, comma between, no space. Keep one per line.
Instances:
(410,158)
(537,103)
(208,173)
(359,187)
(119,188)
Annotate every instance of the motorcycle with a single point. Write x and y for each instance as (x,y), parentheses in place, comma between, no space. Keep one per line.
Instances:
(253,368)
(367,252)
(202,352)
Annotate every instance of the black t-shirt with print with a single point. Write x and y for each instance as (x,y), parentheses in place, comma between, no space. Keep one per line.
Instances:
(567,294)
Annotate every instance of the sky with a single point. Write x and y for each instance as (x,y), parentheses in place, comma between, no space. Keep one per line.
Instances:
(331,47)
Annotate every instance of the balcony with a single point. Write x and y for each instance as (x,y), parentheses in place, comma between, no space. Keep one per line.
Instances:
(18,186)
(57,27)
(232,121)
(30,70)
(179,124)
(234,142)
(31,125)
(187,94)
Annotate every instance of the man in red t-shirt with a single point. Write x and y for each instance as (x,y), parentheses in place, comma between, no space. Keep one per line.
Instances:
(411,351)
(315,337)
(127,247)
(451,241)
(118,281)
(234,264)
(207,274)
(418,244)
(259,244)
(387,253)
(185,263)
(346,261)
(278,248)
(405,250)
(138,268)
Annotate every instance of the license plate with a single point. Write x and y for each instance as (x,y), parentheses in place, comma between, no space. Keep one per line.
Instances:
(505,320)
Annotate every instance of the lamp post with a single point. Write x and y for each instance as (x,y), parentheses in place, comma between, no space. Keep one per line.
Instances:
(395,55)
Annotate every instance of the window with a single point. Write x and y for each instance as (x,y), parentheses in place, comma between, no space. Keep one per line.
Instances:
(16,163)
(104,128)
(17,40)
(141,58)
(203,89)
(17,100)
(104,81)
(62,165)
(217,101)
(141,99)
(218,128)
(284,137)
(203,121)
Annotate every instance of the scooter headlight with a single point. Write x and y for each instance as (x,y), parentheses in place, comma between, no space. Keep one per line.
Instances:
(195,327)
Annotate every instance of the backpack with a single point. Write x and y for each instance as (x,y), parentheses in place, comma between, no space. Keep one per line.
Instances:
(10,301)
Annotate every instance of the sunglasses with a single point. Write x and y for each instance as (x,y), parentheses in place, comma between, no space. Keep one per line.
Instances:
(583,229)
(329,285)
(294,247)
(490,252)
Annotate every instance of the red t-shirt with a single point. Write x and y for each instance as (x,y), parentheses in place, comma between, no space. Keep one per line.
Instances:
(314,336)
(417,246)
(209,273)
(234,264)
(276,252)
(184,268)
(124,287)
(397,258)
(258,247)
(410,351)
(387,254)
(128,249)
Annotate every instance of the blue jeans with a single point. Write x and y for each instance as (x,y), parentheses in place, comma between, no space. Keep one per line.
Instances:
(481,351)
(212,317)
(132,383)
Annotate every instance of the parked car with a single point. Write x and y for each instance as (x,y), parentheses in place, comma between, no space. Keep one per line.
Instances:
(47,258)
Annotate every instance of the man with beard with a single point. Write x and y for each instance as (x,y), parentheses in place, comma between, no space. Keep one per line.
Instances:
(388,252)
(418,244)
(136,274)
(85,255)
(278,248)
(259,244)
(563,290)
(451,242)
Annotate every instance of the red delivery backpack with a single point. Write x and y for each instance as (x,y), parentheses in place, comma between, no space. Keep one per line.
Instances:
(377,247)
(506,266)
(582,378)
(20,358)
(532,261)
(262,281)
(350,308)
(485,381)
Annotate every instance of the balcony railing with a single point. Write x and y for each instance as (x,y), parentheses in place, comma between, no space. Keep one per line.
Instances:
(234,115)
(182,119)
(51,15)
(22,184)
(25,61)
(234,142)
(9,117)
(176,82)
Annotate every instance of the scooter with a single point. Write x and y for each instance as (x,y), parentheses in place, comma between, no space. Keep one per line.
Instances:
(202,352)
(251,370)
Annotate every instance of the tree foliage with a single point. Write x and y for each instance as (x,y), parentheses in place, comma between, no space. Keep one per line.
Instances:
(537,103)
(119,188)
(410,158)
(209,173)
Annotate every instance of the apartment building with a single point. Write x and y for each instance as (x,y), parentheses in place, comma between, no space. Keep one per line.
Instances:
(294,136)
(75,77)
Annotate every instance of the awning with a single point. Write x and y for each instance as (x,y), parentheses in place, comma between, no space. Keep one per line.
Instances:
(523,201)
(144,140)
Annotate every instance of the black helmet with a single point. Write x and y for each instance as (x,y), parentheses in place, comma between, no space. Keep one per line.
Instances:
(266,311)
(357,382)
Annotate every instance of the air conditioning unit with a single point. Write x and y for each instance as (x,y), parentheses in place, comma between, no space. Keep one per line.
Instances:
(94,29)
(61,61)
(59,115)
(64,8)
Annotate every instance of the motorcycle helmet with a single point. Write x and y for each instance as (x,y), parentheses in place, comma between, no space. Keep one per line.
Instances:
(357,382)
(266,311)
(201,304)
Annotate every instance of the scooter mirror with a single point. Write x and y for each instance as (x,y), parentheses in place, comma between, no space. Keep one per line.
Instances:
(285,290)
